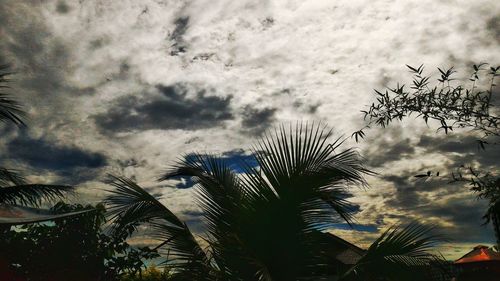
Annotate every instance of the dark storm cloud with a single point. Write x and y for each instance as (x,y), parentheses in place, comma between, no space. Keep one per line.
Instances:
(390,151)
(464,214)
(75,164)
(41,60)
(462,150)
(34,52)
(493,26)
(62,7)
(417,196)
(464,144)
(178,45)
(409,189)
(42,154)
(256,121)
(99,42)
(169,108)
(458,148)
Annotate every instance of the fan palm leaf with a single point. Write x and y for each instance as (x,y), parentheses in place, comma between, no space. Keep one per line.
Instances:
(224,201)
(15,190)
(400,253)
(10,109)
(9,177)
(32,194)
(130,205)
(260,222)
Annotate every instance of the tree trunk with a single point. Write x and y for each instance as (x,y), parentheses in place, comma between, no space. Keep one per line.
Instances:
(495,221)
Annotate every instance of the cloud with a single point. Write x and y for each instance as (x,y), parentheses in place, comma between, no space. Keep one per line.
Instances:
(43,155)
(401,197)
(38,56)
(462,150)
(256,121)
(455,212)
(62,7)
(388,152)
(411,192)
(87,63)
(493,26)
(237,160)
(181,26)
(170,107)
(465,214)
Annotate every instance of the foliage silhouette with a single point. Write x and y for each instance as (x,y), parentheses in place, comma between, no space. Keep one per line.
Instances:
(10,110)
(400,253)
(14,188)
(74,248)
(485,185)
(264,224)
(454,105)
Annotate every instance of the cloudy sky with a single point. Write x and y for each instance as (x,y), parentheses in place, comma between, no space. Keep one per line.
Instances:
(127,87)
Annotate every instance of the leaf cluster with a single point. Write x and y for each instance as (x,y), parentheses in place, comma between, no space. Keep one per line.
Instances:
(449,102)
(265,223)
(75,248)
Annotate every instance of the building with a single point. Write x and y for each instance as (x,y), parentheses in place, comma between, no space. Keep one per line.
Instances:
(482,263)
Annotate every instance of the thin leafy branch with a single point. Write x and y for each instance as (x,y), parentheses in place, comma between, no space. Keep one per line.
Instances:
(469,105)
(452,105)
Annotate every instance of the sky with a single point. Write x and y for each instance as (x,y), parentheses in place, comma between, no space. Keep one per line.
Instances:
(129,87)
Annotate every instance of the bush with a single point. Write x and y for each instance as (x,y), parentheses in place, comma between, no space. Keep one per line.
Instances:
(73,248)
(152,273)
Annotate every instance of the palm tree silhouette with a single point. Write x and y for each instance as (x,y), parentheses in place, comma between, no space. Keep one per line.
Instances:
(263,224)
(10,109)
(14,189)
(401,253)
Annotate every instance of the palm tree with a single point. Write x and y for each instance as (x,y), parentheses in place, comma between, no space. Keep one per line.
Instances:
(260,225)
(14,189)
(10,109)
(400,253)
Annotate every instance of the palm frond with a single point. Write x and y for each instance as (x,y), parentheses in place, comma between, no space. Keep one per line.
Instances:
(10,109)
(400,251)
(261,222)
(32,194)
(219,193)
(10,177)
(130,205)
(302,165)
(223,200)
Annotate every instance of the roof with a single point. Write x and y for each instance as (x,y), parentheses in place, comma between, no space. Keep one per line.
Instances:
(342,250)
(15,215)
(480,253)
